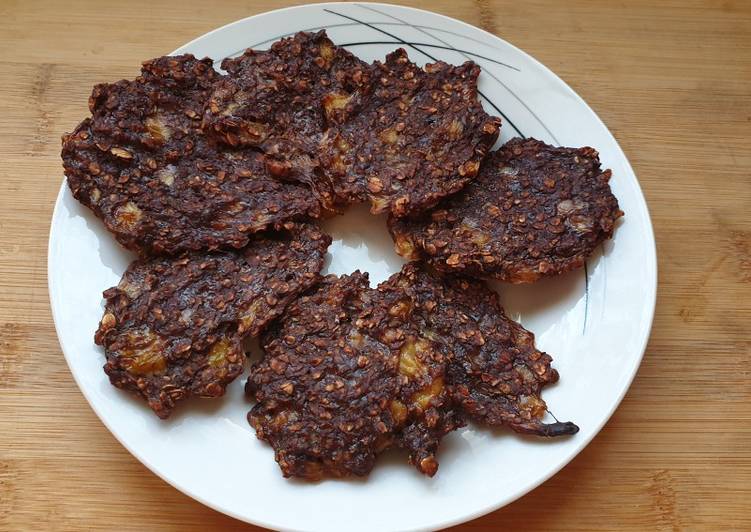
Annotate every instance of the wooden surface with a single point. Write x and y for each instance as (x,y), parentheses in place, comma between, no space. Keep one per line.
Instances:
(671,79)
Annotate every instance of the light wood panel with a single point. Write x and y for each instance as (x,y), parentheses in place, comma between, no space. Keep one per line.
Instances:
(672,80)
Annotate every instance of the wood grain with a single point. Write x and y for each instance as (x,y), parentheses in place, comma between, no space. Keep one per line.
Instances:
(672,80)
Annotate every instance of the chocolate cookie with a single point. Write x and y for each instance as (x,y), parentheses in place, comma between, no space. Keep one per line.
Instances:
(144,166)
(535,210)
(173,326)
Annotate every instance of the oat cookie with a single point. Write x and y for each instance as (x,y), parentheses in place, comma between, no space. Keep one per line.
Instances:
(494,374)
(418,136)
(535,210)
(280,102)
(173,327)
(143,165)
(323,389)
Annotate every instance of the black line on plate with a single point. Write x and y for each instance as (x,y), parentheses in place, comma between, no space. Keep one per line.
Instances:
(586,297)
(345,24)
(297,31)
(432,46)
(413,44)
(418,26)
(426,54)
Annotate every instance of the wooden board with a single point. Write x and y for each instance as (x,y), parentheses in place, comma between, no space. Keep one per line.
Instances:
(671,79)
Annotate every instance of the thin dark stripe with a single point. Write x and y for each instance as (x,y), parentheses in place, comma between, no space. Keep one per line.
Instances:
(466,52)
(426,54)
(296,31)
(419,26)
(586,297)
(345,24)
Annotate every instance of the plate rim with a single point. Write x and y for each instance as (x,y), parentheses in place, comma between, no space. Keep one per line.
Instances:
(650,299)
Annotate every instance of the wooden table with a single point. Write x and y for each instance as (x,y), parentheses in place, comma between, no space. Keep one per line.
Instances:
(671,79)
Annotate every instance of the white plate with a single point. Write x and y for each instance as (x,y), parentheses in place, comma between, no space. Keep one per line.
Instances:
(595,323)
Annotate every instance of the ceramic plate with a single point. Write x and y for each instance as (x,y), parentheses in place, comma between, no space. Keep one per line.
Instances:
(595,321)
